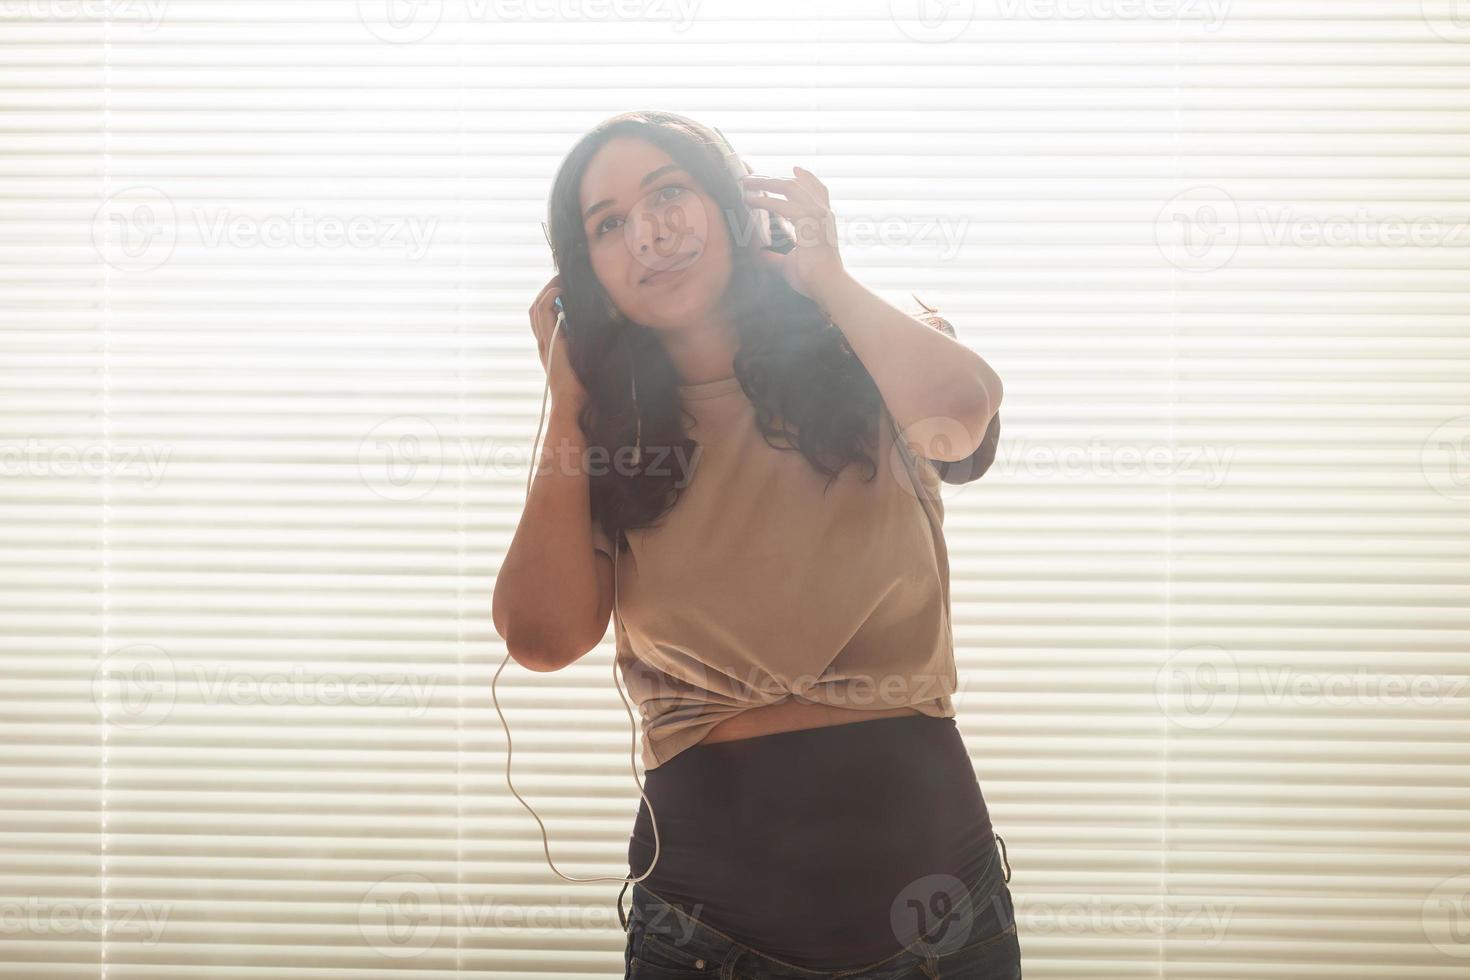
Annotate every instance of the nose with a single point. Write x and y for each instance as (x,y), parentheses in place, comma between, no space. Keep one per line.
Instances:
(658,230)
(653,232)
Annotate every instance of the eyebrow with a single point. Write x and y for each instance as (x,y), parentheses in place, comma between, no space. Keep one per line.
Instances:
(648,178)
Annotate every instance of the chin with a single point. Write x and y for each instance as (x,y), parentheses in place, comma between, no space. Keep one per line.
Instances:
(679,310)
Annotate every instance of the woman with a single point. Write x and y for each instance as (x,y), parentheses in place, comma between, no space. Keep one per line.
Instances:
(727,404)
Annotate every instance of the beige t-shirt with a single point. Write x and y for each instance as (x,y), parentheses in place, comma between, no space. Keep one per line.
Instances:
(757,586)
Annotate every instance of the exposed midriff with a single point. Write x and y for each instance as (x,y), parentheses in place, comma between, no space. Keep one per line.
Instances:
(793,715)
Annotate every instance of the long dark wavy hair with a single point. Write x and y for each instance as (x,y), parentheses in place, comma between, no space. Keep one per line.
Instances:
(794,365)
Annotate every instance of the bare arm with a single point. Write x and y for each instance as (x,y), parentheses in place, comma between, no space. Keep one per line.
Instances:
(974,466)
(553,594)
(928,380)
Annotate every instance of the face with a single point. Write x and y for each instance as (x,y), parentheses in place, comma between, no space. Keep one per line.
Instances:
(655,238)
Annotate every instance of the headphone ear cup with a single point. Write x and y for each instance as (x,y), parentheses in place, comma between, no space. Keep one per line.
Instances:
(780,239)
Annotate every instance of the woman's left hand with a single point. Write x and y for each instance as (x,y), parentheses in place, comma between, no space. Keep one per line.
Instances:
(814,262)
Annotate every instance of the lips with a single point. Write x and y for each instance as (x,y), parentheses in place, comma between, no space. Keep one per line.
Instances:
(676,263)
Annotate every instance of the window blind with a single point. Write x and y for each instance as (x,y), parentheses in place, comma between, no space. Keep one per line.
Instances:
(270,391)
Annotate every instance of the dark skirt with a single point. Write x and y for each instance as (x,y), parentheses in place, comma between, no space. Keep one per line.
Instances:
(827,848)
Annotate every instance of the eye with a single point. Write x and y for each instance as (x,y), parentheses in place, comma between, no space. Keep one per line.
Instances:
(659,197)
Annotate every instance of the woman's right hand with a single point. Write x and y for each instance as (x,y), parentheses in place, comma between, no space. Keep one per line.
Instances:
(562,379)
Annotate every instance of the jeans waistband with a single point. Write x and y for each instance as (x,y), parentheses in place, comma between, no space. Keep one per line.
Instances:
(707,947)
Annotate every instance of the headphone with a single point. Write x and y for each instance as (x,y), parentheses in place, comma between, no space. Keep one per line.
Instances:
(561,317)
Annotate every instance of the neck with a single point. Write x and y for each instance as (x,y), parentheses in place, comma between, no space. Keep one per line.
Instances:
(704,351)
